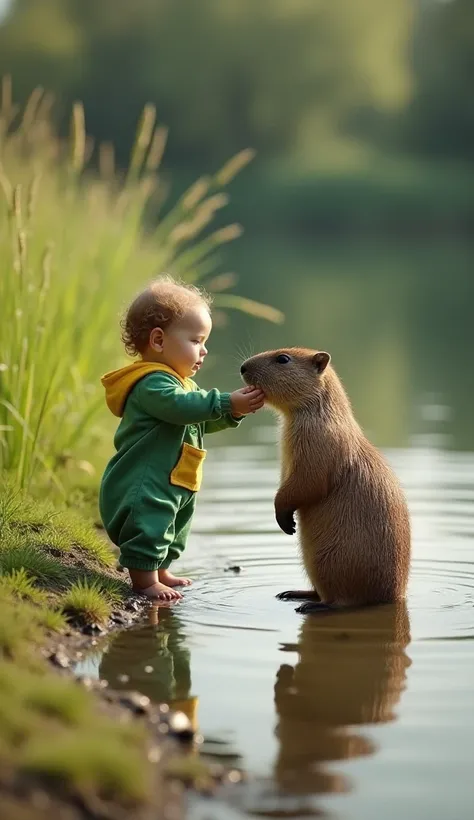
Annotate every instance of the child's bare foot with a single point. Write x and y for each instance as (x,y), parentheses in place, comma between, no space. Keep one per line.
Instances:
(160,592)
(147,583)
(171,580)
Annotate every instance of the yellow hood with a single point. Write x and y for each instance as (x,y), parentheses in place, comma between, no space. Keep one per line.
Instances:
(118,383)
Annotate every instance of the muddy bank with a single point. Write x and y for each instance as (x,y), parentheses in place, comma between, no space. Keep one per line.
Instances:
(74,748)
(171,743)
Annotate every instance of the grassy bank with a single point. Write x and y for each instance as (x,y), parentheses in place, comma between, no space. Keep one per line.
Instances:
(55,559)
(57,573)
(59,743)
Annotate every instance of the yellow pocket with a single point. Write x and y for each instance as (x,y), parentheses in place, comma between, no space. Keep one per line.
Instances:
(188,471)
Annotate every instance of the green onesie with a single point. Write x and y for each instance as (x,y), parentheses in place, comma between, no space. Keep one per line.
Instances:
(148,490)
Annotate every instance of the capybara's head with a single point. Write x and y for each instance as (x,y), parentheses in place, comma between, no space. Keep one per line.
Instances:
(290,377)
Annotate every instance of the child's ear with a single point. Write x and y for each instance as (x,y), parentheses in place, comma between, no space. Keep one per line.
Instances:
(321,361)
(156,339)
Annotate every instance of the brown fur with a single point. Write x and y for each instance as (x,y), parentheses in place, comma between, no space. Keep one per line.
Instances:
(349,676)
(353,519)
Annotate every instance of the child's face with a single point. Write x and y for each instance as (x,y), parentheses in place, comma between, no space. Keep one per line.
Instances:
(183,345)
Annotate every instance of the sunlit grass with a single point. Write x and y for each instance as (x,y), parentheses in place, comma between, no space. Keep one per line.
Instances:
(51,620)
(113,767)
(52,728)
(73,249)
(57,561)
(56,698)
(20,556)
(86,602)
(18,627)
(20,584)
(33,533)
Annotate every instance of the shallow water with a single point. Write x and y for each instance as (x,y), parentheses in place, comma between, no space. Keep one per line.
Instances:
(356,715)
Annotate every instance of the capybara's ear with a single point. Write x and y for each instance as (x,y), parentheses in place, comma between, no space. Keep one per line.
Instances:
(321,361)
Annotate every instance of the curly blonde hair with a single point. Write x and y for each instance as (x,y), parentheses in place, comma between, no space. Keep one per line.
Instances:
(164,301)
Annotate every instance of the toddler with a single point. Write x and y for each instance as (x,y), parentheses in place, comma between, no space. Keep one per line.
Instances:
(148,490)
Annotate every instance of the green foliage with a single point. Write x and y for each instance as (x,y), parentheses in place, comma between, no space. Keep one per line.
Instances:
(440,120)
(112,767)
(387,197)
(56,698)
(72,249)
(292,77)
(19,583)
(86,751)
(20,556)
(51,620)
(33,534)
(86,602)
(56,558)
(282,75)
(18,627)
(73,531)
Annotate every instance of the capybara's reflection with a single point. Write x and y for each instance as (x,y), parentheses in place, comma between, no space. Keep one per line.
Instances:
(350,673)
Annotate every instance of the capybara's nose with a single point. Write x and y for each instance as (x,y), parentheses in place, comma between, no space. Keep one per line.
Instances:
(243,369)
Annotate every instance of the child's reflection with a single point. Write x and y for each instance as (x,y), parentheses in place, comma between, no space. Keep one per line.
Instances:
(154,660)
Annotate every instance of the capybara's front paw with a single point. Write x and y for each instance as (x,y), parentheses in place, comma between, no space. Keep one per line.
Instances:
(286,521)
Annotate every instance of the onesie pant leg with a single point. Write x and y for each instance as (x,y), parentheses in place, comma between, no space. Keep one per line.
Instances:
(148,533)
(183,523)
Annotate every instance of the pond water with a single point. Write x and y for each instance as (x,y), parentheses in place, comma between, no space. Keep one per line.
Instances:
(355,715)
(358,715)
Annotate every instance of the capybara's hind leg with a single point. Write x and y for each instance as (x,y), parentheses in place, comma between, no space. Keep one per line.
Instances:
(315,606)
(298,595)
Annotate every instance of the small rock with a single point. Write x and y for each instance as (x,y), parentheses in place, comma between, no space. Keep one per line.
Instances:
(138,703)
(132,606)
(93,629)
(180,726)
(118,618)
(60,658)
(154,754)
(148,670)
(217,771)
(234,568)
(40,800)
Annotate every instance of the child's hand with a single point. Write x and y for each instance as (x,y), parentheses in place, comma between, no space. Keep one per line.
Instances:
(246,400)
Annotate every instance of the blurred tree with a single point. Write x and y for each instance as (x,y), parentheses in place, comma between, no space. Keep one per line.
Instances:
(440,120)
(280,75)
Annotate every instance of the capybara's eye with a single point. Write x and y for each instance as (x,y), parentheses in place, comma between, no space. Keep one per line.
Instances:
(283,358)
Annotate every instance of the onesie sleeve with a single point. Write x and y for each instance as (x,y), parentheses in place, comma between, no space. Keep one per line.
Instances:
(226,421)
(163,397)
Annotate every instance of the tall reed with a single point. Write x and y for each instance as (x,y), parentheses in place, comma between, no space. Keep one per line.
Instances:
(72,246)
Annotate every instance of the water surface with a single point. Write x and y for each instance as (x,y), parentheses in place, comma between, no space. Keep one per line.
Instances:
(359,715)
